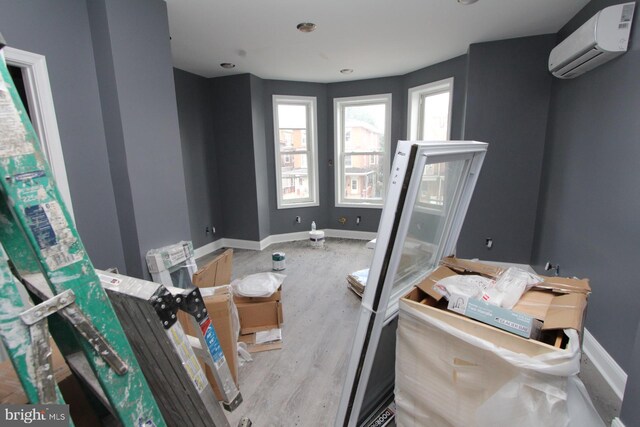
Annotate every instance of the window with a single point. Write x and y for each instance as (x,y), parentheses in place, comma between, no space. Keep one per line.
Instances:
(430,120)
(295,140)
(362,144)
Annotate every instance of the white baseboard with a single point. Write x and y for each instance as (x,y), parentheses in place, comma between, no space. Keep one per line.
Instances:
(605,364)
(617,423)
(278,238)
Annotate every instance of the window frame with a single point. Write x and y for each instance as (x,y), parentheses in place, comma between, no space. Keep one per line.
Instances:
(416,95)
(310,102)
(340,187)
(415,122)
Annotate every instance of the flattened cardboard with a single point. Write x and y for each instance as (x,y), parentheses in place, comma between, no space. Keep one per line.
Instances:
(468,266)
(252,347)
(438,274)
(566,311)
(556,284)
(219,310)
(217,271)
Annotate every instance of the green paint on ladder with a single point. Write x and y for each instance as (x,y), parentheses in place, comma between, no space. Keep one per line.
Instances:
(39,236)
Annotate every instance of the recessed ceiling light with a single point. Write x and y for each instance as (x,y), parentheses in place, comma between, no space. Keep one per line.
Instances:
(466,2)
(306,27)
(346,71)
(227,65)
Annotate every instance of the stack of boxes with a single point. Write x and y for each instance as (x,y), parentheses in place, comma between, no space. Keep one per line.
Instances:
(260,319)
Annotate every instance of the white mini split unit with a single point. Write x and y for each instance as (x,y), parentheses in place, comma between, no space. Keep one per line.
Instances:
(600,39)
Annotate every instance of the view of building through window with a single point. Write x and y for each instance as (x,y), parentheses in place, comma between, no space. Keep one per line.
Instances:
(432,104)
(295,151)
(362,147)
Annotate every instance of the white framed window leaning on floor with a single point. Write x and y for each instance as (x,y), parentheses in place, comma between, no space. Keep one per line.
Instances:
(296,150)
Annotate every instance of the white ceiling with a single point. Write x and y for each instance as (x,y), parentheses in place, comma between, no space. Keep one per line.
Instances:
(375,38)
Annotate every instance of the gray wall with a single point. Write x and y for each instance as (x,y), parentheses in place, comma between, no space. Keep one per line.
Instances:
(508,89)
(589,210)
(198,156)
(283,220)
(139,105)
(60,31)
(456,68)
(260,156)
(233,133)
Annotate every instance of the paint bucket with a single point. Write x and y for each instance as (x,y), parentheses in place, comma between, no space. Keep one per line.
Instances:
(278,261)
(316,238)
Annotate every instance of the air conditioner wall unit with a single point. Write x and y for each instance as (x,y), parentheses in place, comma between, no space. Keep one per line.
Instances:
(600,39)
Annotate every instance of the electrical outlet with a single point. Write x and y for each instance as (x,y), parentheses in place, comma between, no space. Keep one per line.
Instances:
(358,219)
(556,268)
(298,220)
(342,220)
(206,230)
(213,230)
(488,242)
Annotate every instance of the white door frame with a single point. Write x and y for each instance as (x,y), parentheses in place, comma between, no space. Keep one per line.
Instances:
(43,113)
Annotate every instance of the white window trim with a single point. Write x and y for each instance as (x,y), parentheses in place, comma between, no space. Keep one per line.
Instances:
(339,183)
(43,113)
(413,109)
(312,150)
(414,122)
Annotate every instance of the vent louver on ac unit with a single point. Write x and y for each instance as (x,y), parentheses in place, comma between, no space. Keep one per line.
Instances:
(600,39)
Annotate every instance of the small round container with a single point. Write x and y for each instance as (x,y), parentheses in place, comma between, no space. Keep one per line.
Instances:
(316,238)
(278,259)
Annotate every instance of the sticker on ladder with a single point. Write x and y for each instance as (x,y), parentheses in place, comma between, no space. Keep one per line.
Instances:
(13,134)
(212,341)
(187,357)
(52,233)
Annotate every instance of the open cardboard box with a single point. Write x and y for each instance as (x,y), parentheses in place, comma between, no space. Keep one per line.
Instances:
(217,271)
(558,302)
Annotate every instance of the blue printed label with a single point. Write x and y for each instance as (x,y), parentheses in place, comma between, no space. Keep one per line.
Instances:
(40,226)
(212,341)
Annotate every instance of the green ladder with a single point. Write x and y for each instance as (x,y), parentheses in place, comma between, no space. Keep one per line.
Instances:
(39,237)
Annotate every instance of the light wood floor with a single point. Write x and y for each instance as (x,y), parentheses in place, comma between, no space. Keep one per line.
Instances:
(300,384)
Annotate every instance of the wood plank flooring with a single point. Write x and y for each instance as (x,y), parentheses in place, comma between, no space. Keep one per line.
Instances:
(300,384)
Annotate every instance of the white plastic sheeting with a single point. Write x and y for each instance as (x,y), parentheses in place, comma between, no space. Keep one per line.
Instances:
(447,377)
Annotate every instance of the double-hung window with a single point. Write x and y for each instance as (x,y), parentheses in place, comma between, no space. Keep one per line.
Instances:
(430,120)
(295,137)
(362,144)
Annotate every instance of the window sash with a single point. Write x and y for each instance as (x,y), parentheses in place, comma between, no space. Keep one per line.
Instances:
(308,139)
(342,136)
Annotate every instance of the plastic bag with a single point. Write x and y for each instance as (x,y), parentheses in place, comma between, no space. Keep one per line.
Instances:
(471,285)
(509,287)
(258,285)
(448,377)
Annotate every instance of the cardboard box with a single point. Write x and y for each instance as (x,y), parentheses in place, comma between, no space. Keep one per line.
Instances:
(216,272)
(508,320)
(558,302)
(219,307)
(263,340)
(259,316)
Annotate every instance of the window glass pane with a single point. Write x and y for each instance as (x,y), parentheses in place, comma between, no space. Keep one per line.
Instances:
(426,227)
(433,185)
(364,127)
(435,115)
(292,125)
(295,176)
(363,176)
